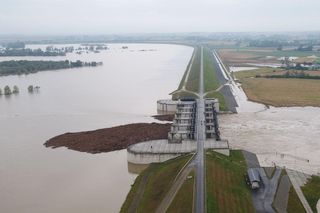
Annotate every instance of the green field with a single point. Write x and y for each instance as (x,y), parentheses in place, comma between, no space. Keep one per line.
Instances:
(153,184)
(183,202)
(225,185)
(312,192)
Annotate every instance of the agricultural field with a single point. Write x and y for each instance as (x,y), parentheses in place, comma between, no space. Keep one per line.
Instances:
(226,188)
(279,92)
(260,55)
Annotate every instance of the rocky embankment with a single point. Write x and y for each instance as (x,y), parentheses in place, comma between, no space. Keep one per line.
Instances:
(110,139)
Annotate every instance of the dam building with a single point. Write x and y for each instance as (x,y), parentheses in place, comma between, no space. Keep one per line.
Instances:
(211,116)
(168,106)
(182,136)
(183,126)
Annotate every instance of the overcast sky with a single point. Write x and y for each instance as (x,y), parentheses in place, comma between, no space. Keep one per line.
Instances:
(156,16)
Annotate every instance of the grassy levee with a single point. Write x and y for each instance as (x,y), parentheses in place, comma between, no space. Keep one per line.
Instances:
(294,203)
(186,72)
(184,94)
(194,76)
(210,77)
(225,185)
(211,81)
(279,92)
(159,181)
(312,192)
(183,202)
(222,103)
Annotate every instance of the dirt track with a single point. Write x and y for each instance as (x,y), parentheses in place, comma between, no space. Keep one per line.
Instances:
(110,139)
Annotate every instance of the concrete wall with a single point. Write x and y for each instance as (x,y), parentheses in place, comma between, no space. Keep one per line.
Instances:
(223,151)
(147,158)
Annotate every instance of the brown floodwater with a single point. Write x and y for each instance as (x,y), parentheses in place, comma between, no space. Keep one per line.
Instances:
(124,90)
(287,137)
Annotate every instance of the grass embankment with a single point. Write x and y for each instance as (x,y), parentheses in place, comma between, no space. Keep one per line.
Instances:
(160,177)
(211,82)
(294,203)
(312,192)
(225,185)
(187,69)
(210,76)
(279,92)
(194,76)
(192,83)
(183,202)
(222,103)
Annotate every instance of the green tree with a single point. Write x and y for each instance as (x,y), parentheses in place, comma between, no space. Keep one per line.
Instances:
(30,88)
(15,89)
(7,90)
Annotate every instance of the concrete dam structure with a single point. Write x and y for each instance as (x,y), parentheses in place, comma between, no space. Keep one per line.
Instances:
(182,136)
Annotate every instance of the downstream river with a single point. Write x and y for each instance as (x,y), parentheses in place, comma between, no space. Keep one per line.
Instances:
(124,90)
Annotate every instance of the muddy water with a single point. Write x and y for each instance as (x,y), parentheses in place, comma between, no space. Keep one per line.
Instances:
(124,90)
(283,136)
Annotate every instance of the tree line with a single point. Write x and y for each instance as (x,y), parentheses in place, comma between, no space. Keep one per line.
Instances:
(26,67)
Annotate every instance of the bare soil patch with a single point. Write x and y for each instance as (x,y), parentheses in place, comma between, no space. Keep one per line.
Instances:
(110,139)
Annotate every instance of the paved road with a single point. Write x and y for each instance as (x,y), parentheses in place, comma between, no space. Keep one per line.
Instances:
(200,176)
(263,197)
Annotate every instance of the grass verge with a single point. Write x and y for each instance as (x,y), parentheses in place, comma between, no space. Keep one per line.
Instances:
(210,77)
(312,192)
(226,188)
(194,76)
(159,181)
(294,203)
(222,103)
(185,73)
(183,202)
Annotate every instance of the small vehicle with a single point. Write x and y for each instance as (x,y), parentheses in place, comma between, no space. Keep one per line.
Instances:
(252,178)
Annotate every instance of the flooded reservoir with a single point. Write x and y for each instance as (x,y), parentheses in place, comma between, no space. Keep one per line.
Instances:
(124,90)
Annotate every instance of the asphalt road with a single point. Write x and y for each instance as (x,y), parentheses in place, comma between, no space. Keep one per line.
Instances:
(200,177)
